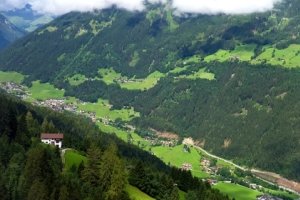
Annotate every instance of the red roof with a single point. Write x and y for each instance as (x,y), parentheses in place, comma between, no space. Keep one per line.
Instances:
(52,136)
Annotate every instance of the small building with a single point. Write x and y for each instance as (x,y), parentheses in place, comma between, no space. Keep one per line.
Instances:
(267,197)
(52,139)
(186,167)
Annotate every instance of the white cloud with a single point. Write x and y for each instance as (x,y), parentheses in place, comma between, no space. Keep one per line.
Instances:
(223,6)
(58,7)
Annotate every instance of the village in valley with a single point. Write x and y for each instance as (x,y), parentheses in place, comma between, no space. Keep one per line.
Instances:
(213,170)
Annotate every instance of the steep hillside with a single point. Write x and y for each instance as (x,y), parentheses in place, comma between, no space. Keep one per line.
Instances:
(231,82)
(8,32)
(31,170)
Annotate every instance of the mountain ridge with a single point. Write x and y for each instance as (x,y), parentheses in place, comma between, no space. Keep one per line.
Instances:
(8,32)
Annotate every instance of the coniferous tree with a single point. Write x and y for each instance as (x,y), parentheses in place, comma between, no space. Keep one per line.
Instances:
(112,174)
(90,173)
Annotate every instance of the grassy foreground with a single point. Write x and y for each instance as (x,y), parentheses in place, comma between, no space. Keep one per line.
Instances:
(237,191)
(136,194)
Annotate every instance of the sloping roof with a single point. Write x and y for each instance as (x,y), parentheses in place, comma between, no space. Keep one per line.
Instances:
(52,136)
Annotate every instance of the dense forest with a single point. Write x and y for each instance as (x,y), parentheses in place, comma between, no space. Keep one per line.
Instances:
(32,170)
(249,112)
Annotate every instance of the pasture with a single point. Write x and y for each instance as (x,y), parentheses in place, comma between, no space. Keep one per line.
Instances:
(237,191)
(77,79)
(136,194)
(11,77)
(44,91)
(104,110)
(176,156)
(288,57)
(73,158)
(241,52)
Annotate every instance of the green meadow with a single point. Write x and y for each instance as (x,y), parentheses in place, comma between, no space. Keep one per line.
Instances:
(73,158)
(237,191)
(104,110)
(11,77)
(241,52)
(176,156)
(288,57)
(77,79)
(177,70)
(110,76)
(201,74)
(124,135)
(181,195)
(44,91)
(136,194)
(143,84)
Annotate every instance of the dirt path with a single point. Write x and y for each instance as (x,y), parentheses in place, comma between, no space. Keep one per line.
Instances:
(219,158)
(62,154)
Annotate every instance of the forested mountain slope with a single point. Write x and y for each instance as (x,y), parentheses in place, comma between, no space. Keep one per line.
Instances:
(8,32)
(231,82)
(31,170)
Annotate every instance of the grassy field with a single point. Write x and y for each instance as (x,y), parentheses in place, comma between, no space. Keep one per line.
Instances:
(283,193)
(123,135)
(237,191)
(288,57)
(77,79)
(110,76)
(175,156)
(241,52)
(201,74)
(103,110)
(181,195)
(136,194)
(143,84)
(73,158)
(44,91)
(11,77)
(177,70)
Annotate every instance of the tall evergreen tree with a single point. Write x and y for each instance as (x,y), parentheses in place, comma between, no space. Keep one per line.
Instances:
(112,174)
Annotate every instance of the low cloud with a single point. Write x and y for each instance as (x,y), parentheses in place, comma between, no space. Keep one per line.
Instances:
(58,7)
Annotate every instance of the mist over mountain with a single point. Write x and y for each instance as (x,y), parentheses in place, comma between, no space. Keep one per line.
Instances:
(182,6)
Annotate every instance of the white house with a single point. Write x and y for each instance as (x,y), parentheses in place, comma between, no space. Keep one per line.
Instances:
(53,139)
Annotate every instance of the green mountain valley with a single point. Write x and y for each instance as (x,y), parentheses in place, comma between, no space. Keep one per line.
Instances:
(186,106)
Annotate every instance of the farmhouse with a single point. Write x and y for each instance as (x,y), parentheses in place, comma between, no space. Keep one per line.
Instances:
(53,139)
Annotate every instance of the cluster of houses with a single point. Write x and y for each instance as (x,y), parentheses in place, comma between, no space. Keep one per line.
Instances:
(206,167)
(155,141)
(267,197)
(15,89)
(186,167)
(57,105)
